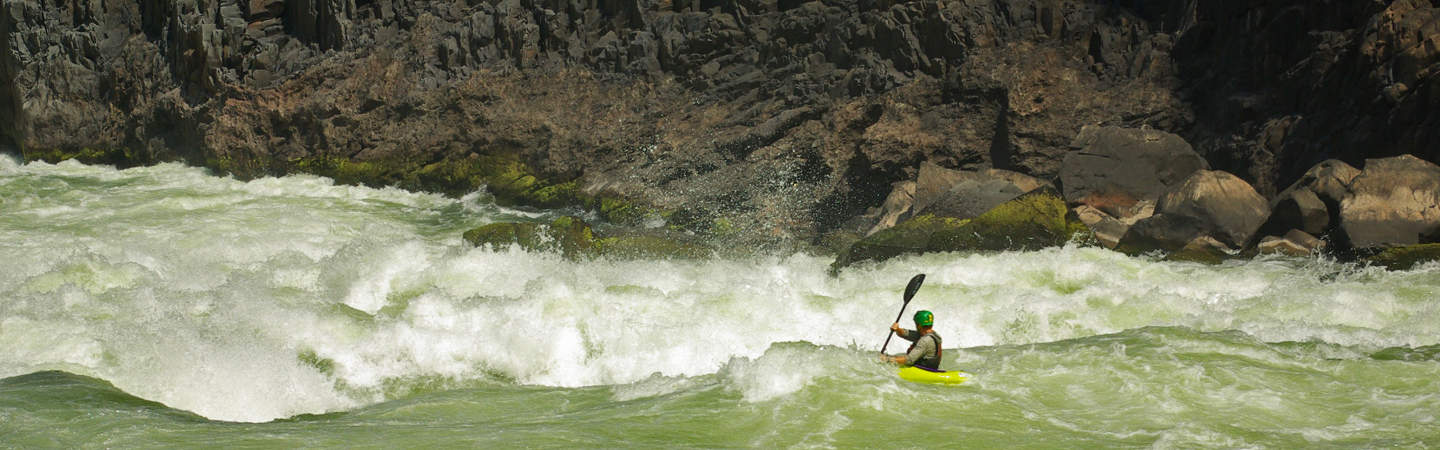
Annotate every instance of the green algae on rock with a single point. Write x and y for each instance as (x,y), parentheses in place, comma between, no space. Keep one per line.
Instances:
(1032,221)
(1407,257)
(121,157)
(1035,220)
(575,239)
(569,235)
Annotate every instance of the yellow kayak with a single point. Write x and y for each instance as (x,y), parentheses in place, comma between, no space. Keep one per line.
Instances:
(918,375)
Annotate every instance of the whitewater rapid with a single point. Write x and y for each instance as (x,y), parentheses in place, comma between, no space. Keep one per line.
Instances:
(265,299)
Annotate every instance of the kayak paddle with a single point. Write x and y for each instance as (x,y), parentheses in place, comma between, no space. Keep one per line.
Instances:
(909,294)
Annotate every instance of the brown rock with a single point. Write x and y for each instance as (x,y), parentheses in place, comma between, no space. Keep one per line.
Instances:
(1396,202)
(1300,209)
(1108,230)
(965,194)
(1294,243)
(1312,203)
(1203,249)
(897,204)
(1112,169)
(1228,207)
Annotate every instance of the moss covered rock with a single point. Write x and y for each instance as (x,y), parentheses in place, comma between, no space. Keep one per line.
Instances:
(569,235)
(575,238)
(1036,220)
(1404,258)
(908,237)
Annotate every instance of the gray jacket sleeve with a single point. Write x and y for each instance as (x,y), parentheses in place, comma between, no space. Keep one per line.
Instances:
(909,335)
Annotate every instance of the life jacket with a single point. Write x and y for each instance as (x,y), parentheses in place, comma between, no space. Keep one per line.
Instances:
(931,363)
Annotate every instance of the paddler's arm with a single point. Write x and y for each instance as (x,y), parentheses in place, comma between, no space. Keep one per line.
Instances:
(903,333)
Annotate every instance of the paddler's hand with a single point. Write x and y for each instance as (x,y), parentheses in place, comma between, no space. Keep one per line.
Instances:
(896,328)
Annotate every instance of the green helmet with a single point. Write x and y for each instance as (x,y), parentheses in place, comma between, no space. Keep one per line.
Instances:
(923,318)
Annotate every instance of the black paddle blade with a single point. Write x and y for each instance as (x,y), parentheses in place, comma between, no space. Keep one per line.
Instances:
(914,286)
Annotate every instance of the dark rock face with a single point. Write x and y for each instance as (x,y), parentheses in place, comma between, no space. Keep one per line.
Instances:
(1279,87)
(1395,202)
(787,119)
(1112,169)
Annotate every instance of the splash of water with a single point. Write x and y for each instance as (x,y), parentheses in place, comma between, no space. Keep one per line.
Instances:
(265,299)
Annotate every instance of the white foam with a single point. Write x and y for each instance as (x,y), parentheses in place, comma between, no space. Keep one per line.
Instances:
(263,299)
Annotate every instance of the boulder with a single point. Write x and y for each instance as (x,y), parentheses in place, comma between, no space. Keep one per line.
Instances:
(569,235)
(959,194)
(1161,232)
(1330,180)
(1112,169)
(971,198)
(1108,229)
(1036,220)
(897,204)
(1294,243)
(909,237)
(964,194)
(1300,209)
(1395,202)
(1229,208)
(1312,203)
(1208,203)
(1203,249)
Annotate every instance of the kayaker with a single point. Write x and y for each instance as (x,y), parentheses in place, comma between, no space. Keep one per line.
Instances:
(925,352)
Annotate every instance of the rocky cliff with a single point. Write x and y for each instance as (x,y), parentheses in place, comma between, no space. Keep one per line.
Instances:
(774,122)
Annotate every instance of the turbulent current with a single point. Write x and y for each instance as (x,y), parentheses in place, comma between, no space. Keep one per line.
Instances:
(164,306)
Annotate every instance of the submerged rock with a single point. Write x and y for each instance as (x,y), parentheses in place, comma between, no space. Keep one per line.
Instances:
(569,235)
(575,238)
(1406,257)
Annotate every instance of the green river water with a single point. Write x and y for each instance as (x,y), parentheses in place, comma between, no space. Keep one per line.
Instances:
(166,307)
